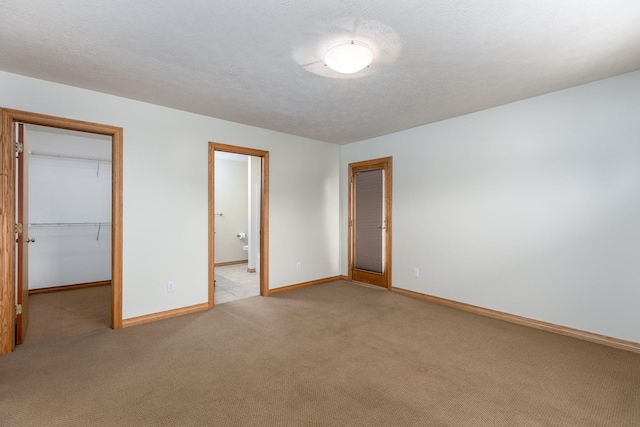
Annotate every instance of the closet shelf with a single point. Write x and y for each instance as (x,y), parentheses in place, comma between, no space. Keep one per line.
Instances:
(67,224)
(72,157)
(72,224)
(68,156)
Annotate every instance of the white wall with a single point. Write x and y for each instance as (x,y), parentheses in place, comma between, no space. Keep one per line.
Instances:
(63,190)
(531,208)
(232,194)
(254,197)
(165,192)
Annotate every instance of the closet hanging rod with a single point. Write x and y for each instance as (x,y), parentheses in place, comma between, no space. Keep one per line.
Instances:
(68,224)
(68,156)
(72,224)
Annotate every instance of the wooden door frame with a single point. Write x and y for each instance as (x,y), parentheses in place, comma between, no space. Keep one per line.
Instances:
(264,214)
(8,219)
(22,241)
(384,163)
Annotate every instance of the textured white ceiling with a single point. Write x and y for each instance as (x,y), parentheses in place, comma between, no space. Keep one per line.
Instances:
(259,62)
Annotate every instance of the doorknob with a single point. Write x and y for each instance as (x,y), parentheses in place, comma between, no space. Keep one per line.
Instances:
(31,240)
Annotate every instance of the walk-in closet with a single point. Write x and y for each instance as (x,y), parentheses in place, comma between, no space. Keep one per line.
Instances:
(69,179)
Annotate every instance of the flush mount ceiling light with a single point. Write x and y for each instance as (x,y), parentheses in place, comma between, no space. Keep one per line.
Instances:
(348,57)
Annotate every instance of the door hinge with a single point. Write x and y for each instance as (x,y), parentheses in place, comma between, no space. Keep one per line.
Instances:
(19,147)
(18,309)
(18,228)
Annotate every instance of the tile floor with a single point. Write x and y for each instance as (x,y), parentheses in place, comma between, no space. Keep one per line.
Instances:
(234,283)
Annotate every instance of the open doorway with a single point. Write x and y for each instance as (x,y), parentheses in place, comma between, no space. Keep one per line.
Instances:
(238,223)
(237,195)
(14,307)
(69,227)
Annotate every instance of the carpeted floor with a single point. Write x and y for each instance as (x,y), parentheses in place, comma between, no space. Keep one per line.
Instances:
(68,313)
(337,354)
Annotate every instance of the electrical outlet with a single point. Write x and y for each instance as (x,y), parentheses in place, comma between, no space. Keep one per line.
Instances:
(171,286)
(416,272)
(298,265)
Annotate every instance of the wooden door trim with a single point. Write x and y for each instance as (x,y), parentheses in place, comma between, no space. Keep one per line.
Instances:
(264,214)
(8,204)
(22,272)
(386,164)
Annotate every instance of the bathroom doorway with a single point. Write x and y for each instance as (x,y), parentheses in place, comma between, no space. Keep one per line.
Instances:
(238,196)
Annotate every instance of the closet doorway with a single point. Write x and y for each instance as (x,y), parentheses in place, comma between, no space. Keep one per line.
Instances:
(69,229)
(14,304)
(238,223)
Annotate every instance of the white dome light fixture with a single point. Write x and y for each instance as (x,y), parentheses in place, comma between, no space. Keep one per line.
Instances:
(348,57)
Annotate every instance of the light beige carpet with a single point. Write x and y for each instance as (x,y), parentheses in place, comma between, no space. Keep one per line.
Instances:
(68,313)
(337,354)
